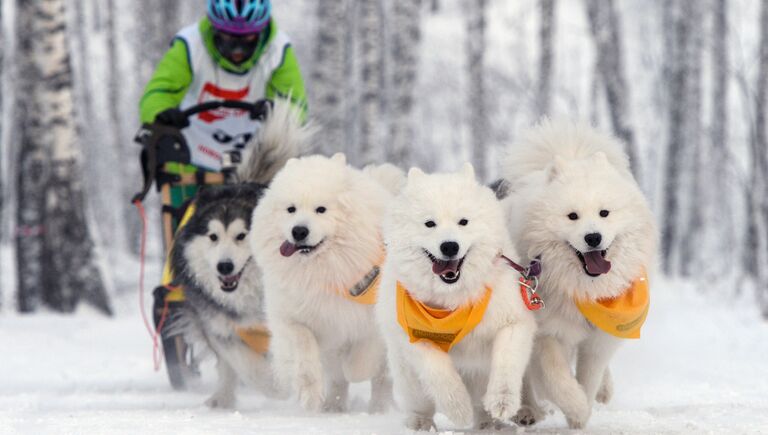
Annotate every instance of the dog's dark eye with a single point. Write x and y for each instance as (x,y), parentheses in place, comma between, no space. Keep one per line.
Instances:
(320,210)
(463,222)
(573,216)
(604,213)
(291,209)
(430,224)
(213,237)
(241,237)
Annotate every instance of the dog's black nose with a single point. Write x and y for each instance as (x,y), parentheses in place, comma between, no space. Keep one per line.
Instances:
(593,239)
(449,249)
(225,267)
(300,233)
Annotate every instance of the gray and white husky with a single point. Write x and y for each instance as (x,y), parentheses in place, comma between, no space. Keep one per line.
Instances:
(211,259)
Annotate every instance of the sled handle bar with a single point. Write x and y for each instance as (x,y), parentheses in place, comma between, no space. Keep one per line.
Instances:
(213,105)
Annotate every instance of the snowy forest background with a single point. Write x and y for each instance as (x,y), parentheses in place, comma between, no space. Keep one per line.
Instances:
(430,83)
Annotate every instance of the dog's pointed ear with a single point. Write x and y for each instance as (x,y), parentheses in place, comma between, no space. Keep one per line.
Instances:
(415,174)
(468,171)
(339,158)
(556,168)
(251,192)
(208,194)
(291,161)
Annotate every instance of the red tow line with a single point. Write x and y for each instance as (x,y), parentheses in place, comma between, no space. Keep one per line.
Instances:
(154,334)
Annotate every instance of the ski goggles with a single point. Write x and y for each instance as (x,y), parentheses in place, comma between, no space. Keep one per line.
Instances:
(236,48)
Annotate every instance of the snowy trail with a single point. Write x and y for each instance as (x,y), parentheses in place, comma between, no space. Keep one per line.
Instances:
(701,367)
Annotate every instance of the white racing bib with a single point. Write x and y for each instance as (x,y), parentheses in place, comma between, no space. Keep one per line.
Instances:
(212,133)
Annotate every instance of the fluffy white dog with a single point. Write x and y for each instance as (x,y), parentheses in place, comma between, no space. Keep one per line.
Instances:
(317,238)
(575,205)
(444,234)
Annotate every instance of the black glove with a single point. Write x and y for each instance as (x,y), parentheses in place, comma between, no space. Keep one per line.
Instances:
(172,117)
(261,109)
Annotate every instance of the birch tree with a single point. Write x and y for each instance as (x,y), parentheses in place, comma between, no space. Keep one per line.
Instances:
(605,26)
(33,163)
(695,152)
(404,49)
(66,267)
(478,117)
(329,74)
(371,35)
(721,227)
(546,40)
(757,243)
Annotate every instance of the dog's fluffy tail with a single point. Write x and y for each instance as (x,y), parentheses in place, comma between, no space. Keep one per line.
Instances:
(570,140)
(389,176)
(282,137)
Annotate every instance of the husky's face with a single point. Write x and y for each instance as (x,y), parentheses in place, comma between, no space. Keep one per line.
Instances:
(447,227)
(212,249)
(586,209)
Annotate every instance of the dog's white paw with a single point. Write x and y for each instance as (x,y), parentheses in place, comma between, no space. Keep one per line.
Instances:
(605,393)
(528,415)
(334,405)
(457,405)
(311,396)
(420,423)
(502,405)
(579,420)
(221,401)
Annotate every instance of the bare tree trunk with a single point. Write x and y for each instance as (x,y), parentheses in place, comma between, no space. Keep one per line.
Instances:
(546,38)
(371,34)
(33,164)
(721,227)
(478,119)
(69,271)
(759,186)
(606,28)
(329,74)
(677,85)
(406,39)
(695,151)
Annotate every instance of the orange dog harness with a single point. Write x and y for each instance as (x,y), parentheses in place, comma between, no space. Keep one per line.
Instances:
(444,328)
(622,316)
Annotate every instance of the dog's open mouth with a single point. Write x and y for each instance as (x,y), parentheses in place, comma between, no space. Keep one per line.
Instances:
(287,248)
(229,283)
(594,262)
(448,270)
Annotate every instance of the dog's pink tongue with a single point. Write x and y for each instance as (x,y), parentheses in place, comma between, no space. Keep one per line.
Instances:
(596,264)
(440,267)
(287,249)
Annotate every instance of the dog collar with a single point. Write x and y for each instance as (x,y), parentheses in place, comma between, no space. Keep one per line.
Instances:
(622,316)
(366,290)
(443,328)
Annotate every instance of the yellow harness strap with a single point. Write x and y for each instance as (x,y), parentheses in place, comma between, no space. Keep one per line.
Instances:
(176,294)
(622,316)
(444,328)
(256,337)
(367,296)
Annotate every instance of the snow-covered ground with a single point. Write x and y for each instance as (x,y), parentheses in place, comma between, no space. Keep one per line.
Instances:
(701,367)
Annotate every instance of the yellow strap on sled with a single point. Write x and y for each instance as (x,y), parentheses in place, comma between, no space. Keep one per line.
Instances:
(176,294)
(622,316)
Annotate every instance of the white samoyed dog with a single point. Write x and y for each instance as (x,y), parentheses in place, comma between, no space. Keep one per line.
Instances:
(444,234)
(317,238)
(575,205)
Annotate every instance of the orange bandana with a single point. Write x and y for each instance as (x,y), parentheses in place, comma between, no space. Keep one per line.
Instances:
(444,328)
(365,291)
(256,337)
(622,316)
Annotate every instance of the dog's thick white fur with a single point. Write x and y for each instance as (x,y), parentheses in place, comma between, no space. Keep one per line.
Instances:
(563,168)
(321,341)
(482,374)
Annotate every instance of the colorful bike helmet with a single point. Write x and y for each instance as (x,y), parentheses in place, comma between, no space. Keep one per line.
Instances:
(239,17)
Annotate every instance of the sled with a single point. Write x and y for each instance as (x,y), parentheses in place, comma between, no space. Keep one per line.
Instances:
(165,161)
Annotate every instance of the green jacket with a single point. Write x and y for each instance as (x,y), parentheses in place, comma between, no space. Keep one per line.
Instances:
(173,75)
